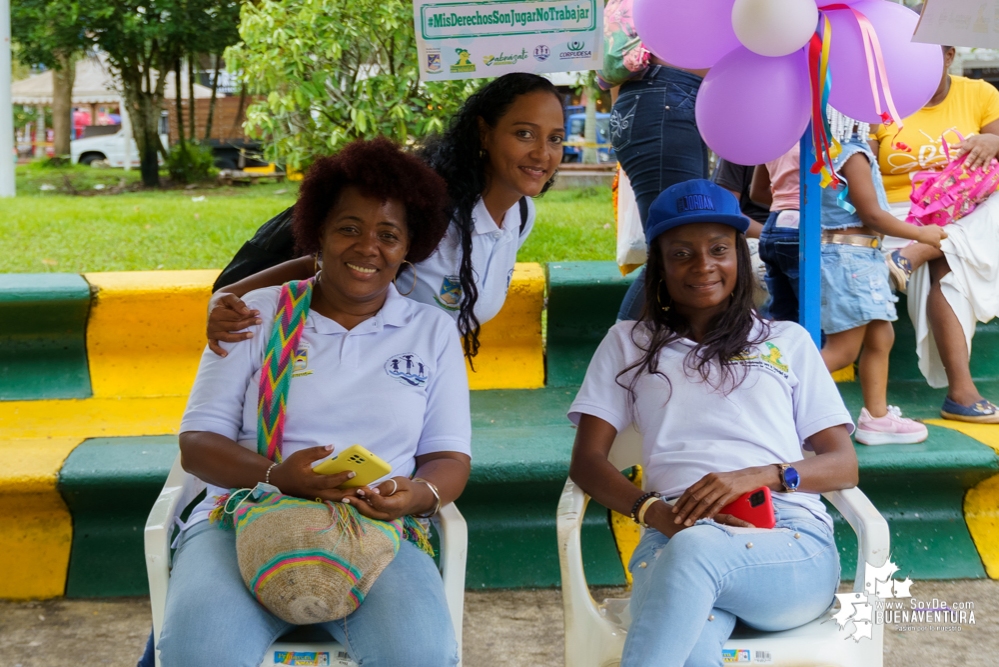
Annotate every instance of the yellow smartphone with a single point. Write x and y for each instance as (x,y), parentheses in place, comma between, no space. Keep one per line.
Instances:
(366,466)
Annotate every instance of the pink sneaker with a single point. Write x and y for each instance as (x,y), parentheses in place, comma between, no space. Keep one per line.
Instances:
(892,429)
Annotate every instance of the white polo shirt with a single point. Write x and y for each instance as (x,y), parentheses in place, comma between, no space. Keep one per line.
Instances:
(494,252)
(690,429)
(395,384)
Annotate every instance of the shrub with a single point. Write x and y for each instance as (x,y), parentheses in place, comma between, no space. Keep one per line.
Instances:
(190,162)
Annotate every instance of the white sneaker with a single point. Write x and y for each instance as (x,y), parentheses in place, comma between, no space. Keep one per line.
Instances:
(892,429)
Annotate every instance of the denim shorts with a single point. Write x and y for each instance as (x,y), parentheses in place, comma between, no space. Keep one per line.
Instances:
(855,288)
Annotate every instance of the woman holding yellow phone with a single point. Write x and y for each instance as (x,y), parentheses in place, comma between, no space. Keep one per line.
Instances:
(370,367)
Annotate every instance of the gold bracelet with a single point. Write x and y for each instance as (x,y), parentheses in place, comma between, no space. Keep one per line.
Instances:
(641,512)
(437,497)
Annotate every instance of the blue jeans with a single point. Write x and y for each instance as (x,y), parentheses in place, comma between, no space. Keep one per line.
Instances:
(655,135)
(689,590)
(779,252)
(211,618)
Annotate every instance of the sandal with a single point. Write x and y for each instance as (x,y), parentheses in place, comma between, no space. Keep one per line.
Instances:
(981,412)
(899,268)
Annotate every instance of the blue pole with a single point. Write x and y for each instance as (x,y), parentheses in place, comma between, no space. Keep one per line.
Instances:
(810,244)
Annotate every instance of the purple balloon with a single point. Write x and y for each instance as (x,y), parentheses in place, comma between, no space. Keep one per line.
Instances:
(693,34)
(751,108)
(914,69)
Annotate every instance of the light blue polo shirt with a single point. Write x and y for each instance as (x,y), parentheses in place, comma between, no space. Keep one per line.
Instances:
(395,384)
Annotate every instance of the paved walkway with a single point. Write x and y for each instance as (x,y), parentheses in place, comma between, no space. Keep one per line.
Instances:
(502,629)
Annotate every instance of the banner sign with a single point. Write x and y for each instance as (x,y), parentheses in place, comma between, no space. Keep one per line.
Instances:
(469,40)
(959,23)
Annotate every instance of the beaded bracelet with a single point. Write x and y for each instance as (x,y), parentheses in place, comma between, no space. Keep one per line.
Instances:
(638,504)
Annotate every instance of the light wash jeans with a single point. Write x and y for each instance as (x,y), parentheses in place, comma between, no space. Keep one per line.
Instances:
(688,590)
(212,620)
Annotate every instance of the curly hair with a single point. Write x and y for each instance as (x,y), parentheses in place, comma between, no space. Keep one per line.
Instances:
(381,170)
(457,156)
(730,334)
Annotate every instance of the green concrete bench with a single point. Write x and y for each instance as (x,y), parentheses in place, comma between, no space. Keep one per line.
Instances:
(43,352)
(521,445)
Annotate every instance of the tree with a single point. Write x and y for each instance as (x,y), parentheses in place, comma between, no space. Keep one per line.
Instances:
(334,71)
(50,33)
(143,40)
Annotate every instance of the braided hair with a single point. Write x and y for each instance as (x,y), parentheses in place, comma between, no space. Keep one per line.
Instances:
(458,157)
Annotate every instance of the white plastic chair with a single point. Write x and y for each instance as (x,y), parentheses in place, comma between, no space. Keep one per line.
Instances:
(181,488)
(595,632)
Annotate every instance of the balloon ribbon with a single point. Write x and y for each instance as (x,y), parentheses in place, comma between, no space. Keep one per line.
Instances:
(827,147)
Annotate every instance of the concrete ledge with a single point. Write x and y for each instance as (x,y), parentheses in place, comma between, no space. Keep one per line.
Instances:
(147,331)
(35,525)
(42,323)
(109,485)
(583,300)
(512,355)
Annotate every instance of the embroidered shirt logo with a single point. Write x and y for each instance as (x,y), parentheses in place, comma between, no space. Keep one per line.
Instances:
(772,360)
(408,369)
(450,294)
(300,367)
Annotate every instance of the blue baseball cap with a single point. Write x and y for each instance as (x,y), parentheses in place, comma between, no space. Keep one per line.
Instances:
(696,200)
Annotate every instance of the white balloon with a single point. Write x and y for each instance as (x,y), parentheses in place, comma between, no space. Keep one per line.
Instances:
(774,27)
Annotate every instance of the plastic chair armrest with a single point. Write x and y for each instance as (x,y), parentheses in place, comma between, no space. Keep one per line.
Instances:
(576,599)
(453,533)
(873,536)
(156,537)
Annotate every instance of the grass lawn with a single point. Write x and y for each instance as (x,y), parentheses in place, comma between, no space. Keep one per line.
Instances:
(49,231)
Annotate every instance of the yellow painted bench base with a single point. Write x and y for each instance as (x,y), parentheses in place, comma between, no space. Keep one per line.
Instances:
(981,504)
(36,530)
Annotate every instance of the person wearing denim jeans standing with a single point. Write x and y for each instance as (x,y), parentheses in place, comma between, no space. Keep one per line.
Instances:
(778,183)
(655,135)
(725,402)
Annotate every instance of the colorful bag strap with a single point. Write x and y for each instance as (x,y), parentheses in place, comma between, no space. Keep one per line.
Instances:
(279,361)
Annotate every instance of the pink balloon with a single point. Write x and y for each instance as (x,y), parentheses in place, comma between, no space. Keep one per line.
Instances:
(914,69)
(693,34)
(751,109)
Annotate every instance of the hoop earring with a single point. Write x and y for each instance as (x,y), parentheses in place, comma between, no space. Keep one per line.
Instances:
(394,282)
(318,261)
(665,309)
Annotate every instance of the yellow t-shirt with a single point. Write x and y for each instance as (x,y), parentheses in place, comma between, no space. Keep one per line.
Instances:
(970,105)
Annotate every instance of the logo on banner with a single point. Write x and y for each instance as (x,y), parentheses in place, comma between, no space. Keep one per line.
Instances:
(505,58)
(433,60)
(541,52)
(574,50)
(464,63)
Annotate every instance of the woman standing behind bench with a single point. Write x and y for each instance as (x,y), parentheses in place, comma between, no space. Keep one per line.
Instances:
(724,401)
(502,148)
(367,210)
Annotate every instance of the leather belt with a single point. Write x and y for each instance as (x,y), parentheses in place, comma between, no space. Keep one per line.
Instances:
(858,240)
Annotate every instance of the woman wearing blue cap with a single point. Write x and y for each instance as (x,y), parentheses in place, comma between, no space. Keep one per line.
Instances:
(723,400)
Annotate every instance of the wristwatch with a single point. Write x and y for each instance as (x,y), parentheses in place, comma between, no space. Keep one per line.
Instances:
(789,477)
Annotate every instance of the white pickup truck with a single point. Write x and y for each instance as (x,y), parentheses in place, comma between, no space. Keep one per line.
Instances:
(109,147)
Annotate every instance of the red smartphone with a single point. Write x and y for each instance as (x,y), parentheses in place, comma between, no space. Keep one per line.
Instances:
(756,507)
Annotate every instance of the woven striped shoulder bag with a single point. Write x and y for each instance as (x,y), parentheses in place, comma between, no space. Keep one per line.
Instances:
(305,561)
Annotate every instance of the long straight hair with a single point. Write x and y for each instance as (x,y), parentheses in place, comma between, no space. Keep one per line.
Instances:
(730,334)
